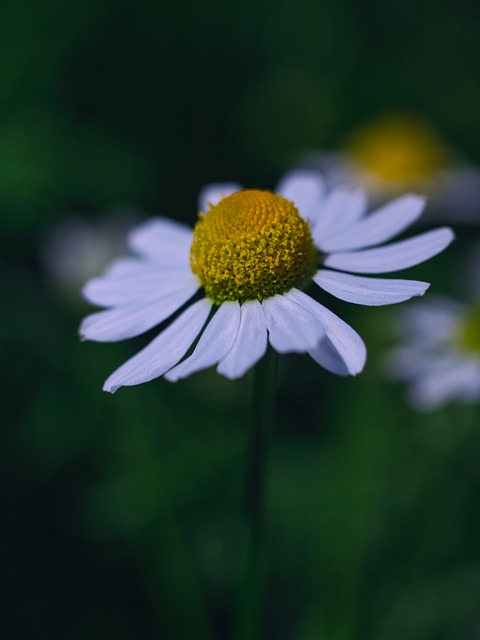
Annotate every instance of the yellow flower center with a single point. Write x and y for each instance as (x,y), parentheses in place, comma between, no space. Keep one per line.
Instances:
(469,332)
(250,246)
(398,148)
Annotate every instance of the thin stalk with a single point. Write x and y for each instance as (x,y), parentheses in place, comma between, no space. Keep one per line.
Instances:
(249,622)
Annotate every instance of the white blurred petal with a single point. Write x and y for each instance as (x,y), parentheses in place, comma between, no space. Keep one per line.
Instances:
(342,208)
(372,292)
(345,342)
(306,189)
(291,328)
(164,351)
(379,226)
(250,344)
(393,257)
(214,344)
(164,241)
(444,383)
(131,320)
(430,321)
(471,389)
(211,194)
(412,361)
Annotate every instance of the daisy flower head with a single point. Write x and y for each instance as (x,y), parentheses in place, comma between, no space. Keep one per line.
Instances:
(439,353)
(236,282)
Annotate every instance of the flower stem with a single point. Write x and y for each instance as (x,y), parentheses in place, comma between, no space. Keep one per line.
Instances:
(250,609)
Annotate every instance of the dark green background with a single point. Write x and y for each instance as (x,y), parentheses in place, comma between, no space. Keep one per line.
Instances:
(121,517)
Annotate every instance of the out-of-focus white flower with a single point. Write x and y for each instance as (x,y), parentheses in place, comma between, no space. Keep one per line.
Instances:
(251,254)
(78,249)
(400,151)
(439,354)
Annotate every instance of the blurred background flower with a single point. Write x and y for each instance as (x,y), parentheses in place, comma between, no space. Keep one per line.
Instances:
(398,152)
(439,354)
(438,349)
(392,153)
(121,515)
(77,249)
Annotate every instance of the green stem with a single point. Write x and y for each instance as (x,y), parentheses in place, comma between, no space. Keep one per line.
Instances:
(250,609)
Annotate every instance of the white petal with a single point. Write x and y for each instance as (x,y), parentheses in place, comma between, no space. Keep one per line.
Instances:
(131,266)
(345,341)
(127,266)
(211,194)
(147,285)
(393,257)
(164,241)
(341,209)
(131,320)
(214,344)
(306,189)
(327,356)
(164,351)
(379,226)
(291,328)
(372,292)
(250,344)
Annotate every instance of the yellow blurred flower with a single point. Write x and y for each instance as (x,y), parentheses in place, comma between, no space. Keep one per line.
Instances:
(397,151)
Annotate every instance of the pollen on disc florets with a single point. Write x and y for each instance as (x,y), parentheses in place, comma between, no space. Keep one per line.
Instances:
(250,246)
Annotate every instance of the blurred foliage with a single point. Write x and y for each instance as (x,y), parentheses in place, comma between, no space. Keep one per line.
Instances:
(122,516)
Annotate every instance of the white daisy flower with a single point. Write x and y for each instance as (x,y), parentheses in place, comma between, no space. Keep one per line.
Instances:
(439,357)
(252,253)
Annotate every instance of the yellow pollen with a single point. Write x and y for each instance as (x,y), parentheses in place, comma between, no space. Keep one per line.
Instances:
(252,245)
(468,338)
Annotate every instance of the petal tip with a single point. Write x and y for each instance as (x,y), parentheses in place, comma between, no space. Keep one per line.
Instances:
(451,234)
(418,197)
(171,376)
(421,293)
(419,201)
(361,364)
(83,332)
(229,374)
